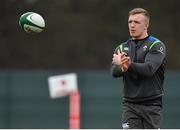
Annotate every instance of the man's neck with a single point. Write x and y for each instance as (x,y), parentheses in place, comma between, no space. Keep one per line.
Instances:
(144,36)
(140,39)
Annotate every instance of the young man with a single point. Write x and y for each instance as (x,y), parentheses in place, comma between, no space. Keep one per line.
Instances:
(141,62)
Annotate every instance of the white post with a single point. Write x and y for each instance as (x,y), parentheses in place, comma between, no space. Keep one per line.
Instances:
(66,85)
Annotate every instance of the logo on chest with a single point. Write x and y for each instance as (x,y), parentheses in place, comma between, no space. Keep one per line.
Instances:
(145,48)
(126,49)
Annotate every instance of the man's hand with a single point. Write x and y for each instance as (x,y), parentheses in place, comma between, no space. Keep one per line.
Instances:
(122,60)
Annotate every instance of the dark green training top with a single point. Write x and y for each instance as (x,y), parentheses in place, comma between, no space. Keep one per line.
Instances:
(143,81)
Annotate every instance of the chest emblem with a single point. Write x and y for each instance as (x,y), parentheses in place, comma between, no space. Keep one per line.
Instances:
(126,48)
(145,48)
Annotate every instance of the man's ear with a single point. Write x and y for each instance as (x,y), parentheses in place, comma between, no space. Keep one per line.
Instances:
(147,24)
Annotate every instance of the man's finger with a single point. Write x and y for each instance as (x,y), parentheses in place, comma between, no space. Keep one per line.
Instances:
(114,55)
(124,60)
(125,57)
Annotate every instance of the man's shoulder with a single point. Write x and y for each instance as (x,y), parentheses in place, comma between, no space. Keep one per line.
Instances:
(156,45)
(153,39)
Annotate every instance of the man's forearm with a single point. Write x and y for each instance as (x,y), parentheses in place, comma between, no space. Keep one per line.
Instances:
(146,69)
(116,71)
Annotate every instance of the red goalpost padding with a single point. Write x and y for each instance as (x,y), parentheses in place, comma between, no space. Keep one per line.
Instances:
(74,120)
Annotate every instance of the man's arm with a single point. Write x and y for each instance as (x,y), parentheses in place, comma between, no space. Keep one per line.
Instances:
(153,61)
(116,71)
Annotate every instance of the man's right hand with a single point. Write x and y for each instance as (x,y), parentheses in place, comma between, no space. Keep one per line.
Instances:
(122,60)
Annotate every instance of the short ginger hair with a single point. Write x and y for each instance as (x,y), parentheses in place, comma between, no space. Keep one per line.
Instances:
(139,11)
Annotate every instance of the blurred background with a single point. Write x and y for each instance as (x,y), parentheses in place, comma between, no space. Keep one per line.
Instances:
(80,36)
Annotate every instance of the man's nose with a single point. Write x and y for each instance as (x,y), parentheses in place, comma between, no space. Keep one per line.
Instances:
(132,25)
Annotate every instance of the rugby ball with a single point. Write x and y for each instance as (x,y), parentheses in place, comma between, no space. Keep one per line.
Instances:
(32,22)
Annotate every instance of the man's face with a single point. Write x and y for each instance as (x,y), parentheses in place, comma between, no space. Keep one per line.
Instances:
(138,24)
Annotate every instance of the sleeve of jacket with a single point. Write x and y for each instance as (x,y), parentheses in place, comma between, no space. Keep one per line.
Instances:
(116,71)
(153,60)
